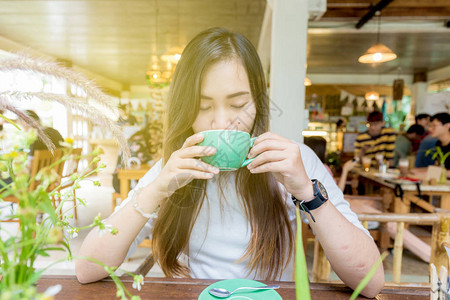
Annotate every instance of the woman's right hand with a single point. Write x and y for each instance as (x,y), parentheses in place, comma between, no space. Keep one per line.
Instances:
(183,166)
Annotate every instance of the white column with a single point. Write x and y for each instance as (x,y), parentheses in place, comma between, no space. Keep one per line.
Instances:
(287,67)
(418,97)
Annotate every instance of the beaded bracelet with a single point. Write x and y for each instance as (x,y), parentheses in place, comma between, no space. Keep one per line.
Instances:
(137,190)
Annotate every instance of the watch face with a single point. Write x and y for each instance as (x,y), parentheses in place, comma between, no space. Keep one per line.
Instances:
(322,190)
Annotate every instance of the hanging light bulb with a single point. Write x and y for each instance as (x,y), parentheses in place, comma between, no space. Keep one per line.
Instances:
(307,81)
(372,95)
(378,53)
(157,76)
(163,67)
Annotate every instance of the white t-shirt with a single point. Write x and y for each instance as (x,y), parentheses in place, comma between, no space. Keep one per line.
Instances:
(221,235)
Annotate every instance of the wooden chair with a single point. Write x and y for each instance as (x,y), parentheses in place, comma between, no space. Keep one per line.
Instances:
(114,197)
(69,168)
(41,159)
(440,235)
(146,265)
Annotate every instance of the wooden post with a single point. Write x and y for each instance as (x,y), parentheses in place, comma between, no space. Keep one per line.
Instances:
(440,235)
(365,224)
(354,184)
(387,198)
(445,201)
(321,266)
(443,278)
(398,250)
(434,283)
(387,195)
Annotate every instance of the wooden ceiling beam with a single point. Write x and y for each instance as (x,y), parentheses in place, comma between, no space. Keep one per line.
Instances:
(427,13)
(369,15)
(396,3)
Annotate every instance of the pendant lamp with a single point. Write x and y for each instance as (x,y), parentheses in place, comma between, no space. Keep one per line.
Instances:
(307,81)
(372,96)
(378,53)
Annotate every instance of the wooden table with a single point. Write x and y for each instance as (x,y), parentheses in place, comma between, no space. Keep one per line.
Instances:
(125,175)
(109,158)
(409,193)
(402,205)
(170,289)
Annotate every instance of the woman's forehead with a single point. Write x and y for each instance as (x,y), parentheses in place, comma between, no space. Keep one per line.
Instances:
(227,76)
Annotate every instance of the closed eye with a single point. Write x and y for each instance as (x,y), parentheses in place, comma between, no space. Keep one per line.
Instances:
(239,106)
(205,108)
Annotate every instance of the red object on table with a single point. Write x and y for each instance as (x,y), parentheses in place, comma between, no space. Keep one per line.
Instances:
(410,179)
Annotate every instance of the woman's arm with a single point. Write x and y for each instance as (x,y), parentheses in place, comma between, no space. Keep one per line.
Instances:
(349,249)
(345,170)
(112,249)
(180,169)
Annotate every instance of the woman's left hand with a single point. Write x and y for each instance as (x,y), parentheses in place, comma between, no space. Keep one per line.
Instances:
(282,157)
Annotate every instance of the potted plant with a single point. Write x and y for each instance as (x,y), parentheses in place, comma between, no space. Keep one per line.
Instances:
(440,157)
(44,228)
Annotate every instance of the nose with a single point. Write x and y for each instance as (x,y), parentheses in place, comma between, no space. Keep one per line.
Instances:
(221,120)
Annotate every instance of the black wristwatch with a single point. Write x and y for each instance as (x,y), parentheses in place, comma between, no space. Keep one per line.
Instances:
(320,197)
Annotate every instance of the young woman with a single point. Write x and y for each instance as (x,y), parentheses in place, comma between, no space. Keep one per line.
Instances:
(238,224)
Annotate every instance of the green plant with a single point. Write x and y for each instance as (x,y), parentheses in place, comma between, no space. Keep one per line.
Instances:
(438,155)
(36,237)
(334,159)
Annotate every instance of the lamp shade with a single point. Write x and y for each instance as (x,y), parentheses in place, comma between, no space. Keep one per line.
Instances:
(377,54)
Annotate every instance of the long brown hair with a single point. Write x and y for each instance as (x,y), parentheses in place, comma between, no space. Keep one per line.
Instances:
(271,244)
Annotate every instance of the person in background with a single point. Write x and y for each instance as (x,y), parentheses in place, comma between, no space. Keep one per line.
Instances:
(377,139)
(145,146)
(422,159)
(319,145)
(52,133)
(440,129)
(126,117)
(404,142)
(340,125)
(423,120)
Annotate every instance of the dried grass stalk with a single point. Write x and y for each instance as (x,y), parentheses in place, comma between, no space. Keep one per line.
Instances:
(86,106)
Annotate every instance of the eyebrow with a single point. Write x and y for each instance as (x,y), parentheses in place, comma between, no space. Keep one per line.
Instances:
(228,96)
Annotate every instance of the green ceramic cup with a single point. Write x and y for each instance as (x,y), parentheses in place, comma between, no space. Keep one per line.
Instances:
(232,148)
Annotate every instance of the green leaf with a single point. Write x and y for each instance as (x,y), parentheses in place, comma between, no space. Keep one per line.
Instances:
(46,206)
(53,249)
(42,252)
(301,272)
(368,276)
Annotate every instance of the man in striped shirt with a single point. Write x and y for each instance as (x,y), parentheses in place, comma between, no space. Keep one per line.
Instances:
(377,139)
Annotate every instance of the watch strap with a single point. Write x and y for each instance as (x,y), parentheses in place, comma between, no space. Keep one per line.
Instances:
(316,202)
(302,206)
